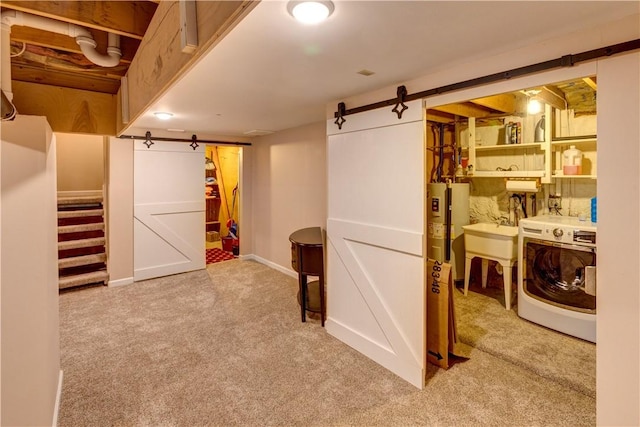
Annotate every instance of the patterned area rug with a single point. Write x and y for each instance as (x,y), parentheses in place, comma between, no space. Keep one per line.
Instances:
(217,255)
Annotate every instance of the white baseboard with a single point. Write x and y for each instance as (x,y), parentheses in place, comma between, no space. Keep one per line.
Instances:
(281,269)
(120,282)
(80,193)
(56,408)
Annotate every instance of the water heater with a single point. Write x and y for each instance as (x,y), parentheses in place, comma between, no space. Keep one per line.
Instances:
(447,212)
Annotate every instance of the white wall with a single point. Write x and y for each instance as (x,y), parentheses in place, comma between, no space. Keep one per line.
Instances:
(288,188)
(618,328)
(618,379)
(119,189)
(80,160)
(29,273)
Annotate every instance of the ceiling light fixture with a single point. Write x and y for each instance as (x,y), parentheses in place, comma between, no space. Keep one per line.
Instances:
(162,115)
(310,12)
(534,106)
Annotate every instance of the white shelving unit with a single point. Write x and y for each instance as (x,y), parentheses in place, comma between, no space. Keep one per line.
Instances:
(551,151)
(518,152)
(509,146)
(587,144)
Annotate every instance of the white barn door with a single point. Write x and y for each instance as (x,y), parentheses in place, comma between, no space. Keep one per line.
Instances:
(168,234)
(375,238)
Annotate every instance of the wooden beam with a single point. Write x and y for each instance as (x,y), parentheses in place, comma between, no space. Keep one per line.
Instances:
(505,103)
(67,110)
(61,78)
(465,109)
(127,18)
(439,116)
(68,44)
(159,61)
(553,96)
(591,82)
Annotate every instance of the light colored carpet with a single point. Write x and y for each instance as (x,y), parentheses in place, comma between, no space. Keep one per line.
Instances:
(226,346)
(484,323)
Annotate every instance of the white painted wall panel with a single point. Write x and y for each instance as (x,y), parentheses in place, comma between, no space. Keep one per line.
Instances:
(375,238)
(351,310)
(618,304)
(377,180)
(30,341)
(168,209)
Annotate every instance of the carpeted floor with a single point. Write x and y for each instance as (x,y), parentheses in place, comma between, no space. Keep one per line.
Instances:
(483,323)
(225,346)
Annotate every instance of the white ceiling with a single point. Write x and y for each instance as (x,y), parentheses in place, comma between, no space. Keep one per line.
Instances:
(272,73)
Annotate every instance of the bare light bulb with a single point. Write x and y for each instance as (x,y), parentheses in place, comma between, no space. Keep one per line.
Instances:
(534,106)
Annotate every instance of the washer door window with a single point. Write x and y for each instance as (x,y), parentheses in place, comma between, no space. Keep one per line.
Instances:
(556,274)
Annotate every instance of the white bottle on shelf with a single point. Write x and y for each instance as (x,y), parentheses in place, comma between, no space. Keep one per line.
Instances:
(572,161)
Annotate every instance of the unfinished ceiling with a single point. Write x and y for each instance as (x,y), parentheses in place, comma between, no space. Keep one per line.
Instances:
(48,58)
(577,95)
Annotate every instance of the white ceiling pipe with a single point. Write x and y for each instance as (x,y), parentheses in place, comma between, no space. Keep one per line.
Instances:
(111,59)
(82,35)
(5,60)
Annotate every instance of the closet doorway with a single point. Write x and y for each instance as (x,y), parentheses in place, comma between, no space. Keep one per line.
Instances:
(222,200)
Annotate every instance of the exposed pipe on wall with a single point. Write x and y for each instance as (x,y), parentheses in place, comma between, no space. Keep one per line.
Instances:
(82,35)
(5,59)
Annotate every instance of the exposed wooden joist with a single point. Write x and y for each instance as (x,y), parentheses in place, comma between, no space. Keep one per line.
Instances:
(67,110)
(553,96)
(591,82)
(505,103)
(465,109)
(65,43)
(439,116)
(127,18)
(159,61)
(87,81)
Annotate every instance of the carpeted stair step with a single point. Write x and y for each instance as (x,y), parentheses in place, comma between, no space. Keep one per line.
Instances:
(79,200)
(82,260)
(81,243)
(80,228)
(80,213)
(83,279)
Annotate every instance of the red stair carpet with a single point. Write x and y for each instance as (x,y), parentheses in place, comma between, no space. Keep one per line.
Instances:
(217,255)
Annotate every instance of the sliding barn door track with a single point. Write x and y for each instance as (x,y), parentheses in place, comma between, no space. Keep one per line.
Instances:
(564,61)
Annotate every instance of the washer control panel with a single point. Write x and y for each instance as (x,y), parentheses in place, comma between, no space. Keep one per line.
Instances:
(560,229)
(560,234)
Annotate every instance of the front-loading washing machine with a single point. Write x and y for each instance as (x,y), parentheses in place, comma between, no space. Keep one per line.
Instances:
(557,274)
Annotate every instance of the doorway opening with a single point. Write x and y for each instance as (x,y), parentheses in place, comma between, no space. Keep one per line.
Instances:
(82,258)
(222,199)
(512,161)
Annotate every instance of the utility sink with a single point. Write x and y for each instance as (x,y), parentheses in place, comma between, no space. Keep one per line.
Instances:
(495,242)
(491,241)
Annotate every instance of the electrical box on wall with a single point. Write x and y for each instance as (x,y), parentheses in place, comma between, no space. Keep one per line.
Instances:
(555,202)
(435,206)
